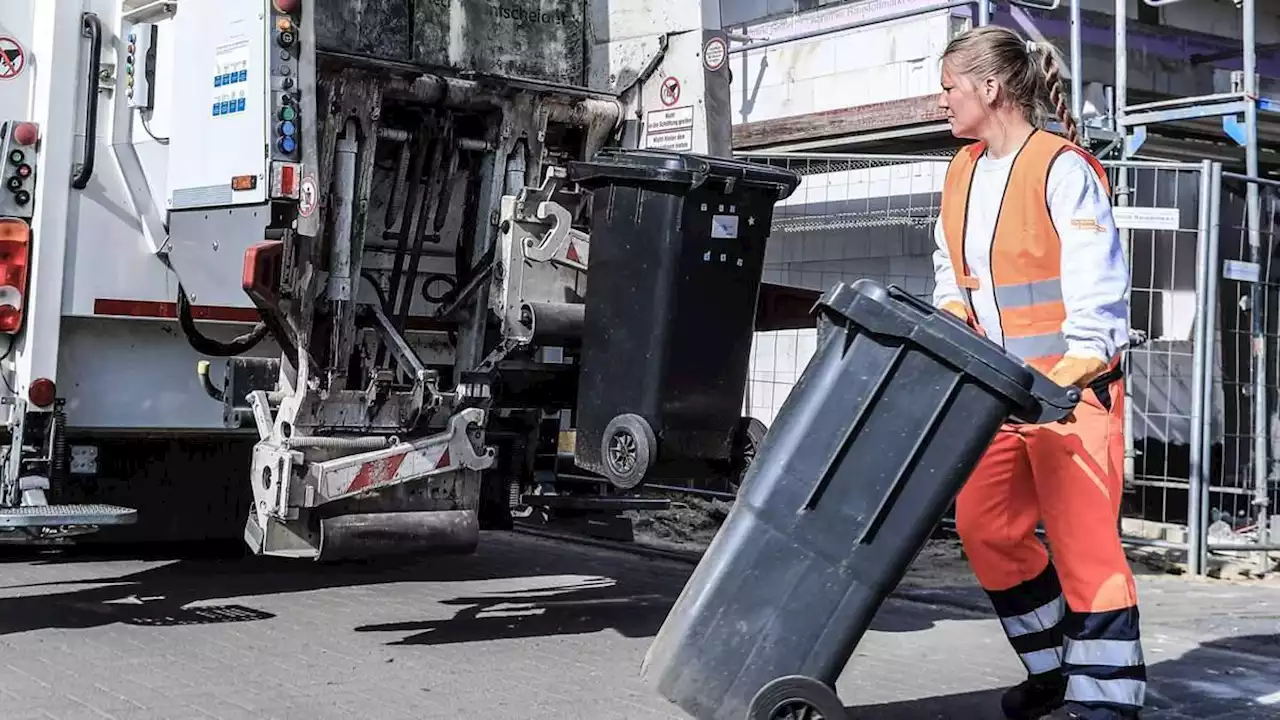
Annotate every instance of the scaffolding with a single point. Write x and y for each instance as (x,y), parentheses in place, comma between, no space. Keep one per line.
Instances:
(1238,117)
(908,135)
(1201,117)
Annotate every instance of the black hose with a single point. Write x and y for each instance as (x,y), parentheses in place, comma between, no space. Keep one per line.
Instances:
(208,346)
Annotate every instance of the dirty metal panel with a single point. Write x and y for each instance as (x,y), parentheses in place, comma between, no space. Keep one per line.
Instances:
(535,39)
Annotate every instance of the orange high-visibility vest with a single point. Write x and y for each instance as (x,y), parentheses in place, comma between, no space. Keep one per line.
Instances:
(1026,260)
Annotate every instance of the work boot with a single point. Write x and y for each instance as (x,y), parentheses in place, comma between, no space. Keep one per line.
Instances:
(1034,698)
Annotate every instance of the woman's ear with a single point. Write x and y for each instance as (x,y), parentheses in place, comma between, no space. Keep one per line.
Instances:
(990,90)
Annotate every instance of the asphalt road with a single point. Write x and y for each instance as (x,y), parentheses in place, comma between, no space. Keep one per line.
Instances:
(524,630)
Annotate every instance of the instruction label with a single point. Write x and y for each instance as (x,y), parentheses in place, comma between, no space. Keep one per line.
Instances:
(231,71)
(1146,218)
(660,121)
(1242,271)
(678,141)
(670,129)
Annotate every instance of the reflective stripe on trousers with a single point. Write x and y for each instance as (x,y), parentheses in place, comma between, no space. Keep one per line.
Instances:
(1103,659)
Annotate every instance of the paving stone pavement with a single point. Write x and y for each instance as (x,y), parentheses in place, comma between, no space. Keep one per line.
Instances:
(526,629)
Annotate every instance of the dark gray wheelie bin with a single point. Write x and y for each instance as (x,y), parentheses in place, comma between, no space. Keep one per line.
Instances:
(874,442)
(677,255)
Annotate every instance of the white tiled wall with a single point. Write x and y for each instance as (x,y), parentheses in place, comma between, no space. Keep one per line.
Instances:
(814,247)
(892,61)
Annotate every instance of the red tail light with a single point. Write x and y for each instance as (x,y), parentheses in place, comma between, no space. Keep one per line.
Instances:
(15,245)
(42,392)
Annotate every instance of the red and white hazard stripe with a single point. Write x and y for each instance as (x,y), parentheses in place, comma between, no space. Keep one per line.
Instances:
(397,464)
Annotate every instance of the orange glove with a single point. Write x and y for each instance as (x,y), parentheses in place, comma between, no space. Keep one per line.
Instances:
(960,310)
(957,308)
(1074,370)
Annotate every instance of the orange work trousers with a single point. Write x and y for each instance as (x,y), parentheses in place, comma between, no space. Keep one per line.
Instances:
(1077,614)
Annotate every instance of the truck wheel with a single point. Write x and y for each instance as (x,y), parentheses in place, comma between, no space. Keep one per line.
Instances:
(748,437)
(796,697)
(627,449)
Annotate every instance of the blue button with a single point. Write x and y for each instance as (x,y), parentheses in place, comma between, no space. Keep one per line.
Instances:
(287,128)
(217,81)
(244,75)
(226,107)
(217,109)
(240,105)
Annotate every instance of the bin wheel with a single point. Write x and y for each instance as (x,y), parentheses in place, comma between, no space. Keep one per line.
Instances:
(748,438)
(627,449)
(796,697)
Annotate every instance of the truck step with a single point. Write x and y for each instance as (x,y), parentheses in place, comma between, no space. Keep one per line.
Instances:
(62,515)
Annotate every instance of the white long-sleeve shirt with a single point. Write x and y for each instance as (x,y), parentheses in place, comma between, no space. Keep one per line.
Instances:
(1095,276)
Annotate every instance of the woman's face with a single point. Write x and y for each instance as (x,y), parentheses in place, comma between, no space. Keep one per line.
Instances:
(966,102)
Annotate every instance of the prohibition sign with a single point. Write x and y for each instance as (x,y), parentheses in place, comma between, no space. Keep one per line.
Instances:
(13,59)
(307,197)
(670,91)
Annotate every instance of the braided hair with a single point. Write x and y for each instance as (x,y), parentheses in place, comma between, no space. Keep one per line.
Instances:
(1030,73)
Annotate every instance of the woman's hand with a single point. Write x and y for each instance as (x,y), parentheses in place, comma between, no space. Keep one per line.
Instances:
(961,311)
(1075,370)
(957,308)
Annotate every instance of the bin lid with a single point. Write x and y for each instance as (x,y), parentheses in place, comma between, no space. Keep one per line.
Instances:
(896,313)
(620,166)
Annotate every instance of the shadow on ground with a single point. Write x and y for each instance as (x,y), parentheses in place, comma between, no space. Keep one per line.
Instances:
(187,591)
(1214,681)
(578,590)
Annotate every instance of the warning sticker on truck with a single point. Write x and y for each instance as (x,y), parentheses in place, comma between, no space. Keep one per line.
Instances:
(677,141)
(660,121)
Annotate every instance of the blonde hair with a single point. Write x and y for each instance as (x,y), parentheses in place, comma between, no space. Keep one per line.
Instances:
(1029,72)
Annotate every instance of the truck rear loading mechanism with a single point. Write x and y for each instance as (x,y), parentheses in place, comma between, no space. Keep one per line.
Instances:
(381,216)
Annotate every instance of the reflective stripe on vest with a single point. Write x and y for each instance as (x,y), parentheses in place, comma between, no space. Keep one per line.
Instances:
(1026,260)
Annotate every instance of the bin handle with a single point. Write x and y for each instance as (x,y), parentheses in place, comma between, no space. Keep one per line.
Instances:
(1051,401)
(898,293)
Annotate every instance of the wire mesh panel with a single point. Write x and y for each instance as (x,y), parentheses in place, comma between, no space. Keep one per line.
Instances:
(1245,478)
(873,216)
(853,216)
(1159,207)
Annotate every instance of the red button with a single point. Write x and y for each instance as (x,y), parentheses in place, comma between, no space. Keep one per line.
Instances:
(26,133)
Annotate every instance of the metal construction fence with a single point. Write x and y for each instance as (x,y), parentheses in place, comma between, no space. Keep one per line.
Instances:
(1202,439)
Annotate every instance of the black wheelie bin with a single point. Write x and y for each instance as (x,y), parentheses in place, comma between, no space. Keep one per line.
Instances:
(877,437)
(677,255)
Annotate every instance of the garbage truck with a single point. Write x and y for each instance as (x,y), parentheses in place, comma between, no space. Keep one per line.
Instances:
(313,273)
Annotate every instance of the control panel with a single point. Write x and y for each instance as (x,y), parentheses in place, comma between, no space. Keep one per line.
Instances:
(140,66)
(19,140)
(285,121)
(236,128)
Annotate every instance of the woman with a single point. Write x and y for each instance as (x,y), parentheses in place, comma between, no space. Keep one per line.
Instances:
(1028,254)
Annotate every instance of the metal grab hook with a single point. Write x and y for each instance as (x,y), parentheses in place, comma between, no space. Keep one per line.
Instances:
(1048,5)
(561,234)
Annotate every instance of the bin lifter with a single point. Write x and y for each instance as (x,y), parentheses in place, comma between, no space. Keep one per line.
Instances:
(360,455)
